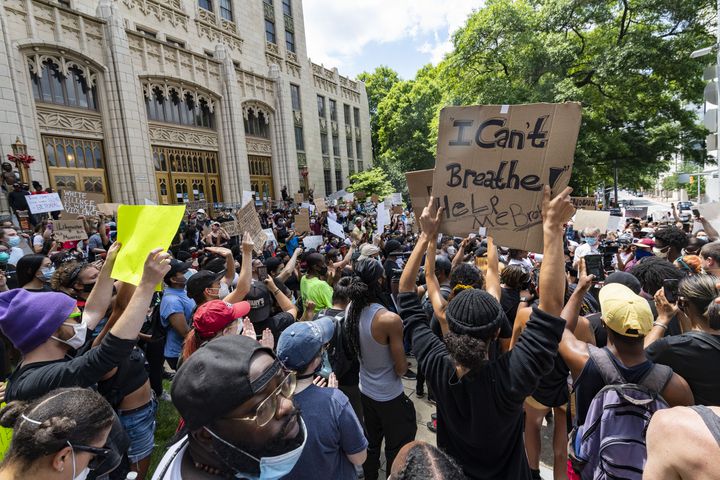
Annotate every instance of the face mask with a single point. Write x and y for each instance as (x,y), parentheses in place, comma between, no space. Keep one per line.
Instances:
(82,475)
(88,287)
(271,468)
(188,274)
(78,338)
(14,241)
(451,251)
(4,257)
(702,238)
(640,253)
(47,273)
(660,253)
(223,291)
(591,241)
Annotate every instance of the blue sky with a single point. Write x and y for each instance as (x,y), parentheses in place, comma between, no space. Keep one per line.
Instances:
(359,35)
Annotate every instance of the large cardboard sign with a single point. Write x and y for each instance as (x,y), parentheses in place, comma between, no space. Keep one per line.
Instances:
(420,188)
(109,209)
(592,219)
(81,203)
(494,162)
(302,221)
(248,221)
(320,205)
(584,203)
(299,198)
(47,202)
(69,230)
(232,228)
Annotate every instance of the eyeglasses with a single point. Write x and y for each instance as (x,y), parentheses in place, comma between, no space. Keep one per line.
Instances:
(267,409)
(100,455)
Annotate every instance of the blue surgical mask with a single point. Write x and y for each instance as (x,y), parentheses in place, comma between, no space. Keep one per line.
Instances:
(4,257)
(591,241)
(271,468)
(47,273)
(14,241)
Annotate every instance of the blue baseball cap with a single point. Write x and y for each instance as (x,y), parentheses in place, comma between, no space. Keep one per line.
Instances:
(300,343)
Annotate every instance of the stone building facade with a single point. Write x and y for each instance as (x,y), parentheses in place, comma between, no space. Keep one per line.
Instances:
(176,100)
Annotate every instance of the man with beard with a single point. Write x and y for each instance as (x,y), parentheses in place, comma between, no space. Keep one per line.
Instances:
(240,419)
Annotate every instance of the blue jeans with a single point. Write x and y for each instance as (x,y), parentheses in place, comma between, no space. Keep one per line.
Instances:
(140,427)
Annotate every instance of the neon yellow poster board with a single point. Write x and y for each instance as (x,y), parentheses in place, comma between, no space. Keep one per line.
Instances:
(141,229)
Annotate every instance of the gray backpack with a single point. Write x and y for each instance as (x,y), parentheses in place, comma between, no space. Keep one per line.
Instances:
(611,442)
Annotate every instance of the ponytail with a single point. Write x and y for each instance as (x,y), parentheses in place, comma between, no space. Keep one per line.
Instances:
(192,343)
(359,299)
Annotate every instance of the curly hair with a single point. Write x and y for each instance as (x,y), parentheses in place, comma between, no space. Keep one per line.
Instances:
(651,271)
(426,462)
(672,236)
(466,274)
(74,415)
(470,352)
(67,274)
(514,277)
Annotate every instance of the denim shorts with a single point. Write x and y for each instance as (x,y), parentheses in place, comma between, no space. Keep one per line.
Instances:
(140,427)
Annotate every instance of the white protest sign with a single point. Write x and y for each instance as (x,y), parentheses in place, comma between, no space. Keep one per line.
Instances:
(337,195)
(149,202)
(247,197)
(48,202)
(383,218)
(270,236)
(711,213)
(493,162)
(615,224)
(349,197)
(396,198)
(309,206)
(312,241)
(591,219)
(387,203)
(335,228)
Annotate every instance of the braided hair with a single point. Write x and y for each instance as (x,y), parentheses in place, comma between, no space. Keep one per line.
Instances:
(46,425)
(364,290)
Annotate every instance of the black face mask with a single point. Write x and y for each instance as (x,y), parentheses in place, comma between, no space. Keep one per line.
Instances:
(88,287)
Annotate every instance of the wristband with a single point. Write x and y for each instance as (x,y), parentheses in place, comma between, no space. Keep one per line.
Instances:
(276,291)
(657,324)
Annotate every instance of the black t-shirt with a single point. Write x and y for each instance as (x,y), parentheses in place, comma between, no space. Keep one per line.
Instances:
(131,375)
(694,359)
(510,299)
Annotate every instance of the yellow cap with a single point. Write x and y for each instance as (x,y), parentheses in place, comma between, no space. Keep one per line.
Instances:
(624,312)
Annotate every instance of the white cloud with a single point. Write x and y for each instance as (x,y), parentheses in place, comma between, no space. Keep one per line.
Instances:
(338,30)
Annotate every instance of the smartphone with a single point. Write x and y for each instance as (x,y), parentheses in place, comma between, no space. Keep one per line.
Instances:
(594,266)
(670,288)
(696,213)
(262,273)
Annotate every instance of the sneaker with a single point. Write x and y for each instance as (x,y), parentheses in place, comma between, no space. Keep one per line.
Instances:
(165,397)
(432,426)
(410,375)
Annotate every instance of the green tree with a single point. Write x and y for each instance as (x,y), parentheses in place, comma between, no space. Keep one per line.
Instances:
(377,84)
(372,182)
(626,61)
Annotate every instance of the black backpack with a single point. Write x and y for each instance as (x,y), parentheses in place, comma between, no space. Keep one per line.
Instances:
(153,326)
(340,360)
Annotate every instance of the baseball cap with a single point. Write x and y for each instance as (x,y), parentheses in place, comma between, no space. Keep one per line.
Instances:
(176,266)
(645,243)
(200,281)
(625,312)
(215,379)
(300,343)
(211,317)
(260,302)
(200,210)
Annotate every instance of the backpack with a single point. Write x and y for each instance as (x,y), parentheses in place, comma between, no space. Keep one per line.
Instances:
(611,442)
(337,352)
(153,325)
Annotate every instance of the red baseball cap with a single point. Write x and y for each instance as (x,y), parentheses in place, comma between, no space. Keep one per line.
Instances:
(211,317)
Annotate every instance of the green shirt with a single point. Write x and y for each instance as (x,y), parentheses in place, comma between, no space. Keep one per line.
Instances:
(316,290)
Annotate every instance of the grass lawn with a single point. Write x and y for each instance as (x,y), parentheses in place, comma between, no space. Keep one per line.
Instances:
(167,423)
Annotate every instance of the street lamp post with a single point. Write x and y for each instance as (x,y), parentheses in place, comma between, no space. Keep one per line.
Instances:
(22,160)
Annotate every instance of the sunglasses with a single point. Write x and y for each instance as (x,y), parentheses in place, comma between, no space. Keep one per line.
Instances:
(267,409)
(100,455)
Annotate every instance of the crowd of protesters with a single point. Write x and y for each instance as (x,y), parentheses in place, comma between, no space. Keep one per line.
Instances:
(287,360)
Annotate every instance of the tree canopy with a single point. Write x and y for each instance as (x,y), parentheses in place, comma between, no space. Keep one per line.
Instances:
(627,62)
(372,182)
